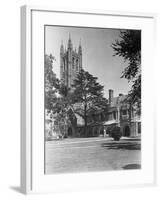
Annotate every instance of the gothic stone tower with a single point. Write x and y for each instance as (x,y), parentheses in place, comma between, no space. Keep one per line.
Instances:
(70,63)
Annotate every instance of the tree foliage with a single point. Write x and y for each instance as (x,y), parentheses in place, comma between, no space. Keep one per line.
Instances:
(50,77)
(128,46)
(88,95)
(51,83)
(57,100)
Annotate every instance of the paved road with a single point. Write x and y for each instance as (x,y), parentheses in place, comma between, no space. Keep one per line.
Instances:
(91,154)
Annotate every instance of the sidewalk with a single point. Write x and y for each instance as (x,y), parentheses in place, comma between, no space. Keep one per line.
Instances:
(90,139)
(78,140)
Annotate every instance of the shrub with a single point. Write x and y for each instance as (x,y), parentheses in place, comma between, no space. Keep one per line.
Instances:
(116,133)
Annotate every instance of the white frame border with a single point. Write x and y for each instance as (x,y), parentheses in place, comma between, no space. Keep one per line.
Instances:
(26,84)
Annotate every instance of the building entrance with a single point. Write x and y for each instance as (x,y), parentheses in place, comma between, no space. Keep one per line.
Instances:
(127,131)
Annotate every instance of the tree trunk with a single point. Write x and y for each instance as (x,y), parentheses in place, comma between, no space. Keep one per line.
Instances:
(85,127)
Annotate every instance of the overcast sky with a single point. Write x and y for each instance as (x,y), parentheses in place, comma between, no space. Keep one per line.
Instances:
(97,53)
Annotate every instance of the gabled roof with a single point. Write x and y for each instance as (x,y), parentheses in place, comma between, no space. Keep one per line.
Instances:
(117,101)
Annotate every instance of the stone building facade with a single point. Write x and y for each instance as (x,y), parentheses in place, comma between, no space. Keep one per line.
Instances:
(123,114)
(119,113)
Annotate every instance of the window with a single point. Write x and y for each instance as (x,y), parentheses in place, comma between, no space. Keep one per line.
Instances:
(124,112)
(114,115)
(139,127)
(102,116)
(77,64)
(110,117)
(73,62)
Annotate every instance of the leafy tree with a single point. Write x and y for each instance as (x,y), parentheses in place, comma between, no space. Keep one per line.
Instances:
(57,98)
(63,109)
(50,81)
(128,46)
(50,77)
(87,97)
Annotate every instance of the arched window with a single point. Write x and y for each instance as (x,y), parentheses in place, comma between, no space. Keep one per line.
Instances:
(73,62)
(77,64)
(64,65)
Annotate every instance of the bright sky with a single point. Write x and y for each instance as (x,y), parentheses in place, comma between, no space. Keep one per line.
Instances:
(97,54)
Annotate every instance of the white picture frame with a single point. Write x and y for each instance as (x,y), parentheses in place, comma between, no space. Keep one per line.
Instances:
(33,179)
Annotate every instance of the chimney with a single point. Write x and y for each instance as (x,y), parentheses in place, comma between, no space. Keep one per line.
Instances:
(110,96)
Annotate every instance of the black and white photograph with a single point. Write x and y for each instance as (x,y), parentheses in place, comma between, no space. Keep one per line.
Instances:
(92,95)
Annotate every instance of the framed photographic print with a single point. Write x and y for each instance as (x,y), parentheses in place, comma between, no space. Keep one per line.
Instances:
(87,103)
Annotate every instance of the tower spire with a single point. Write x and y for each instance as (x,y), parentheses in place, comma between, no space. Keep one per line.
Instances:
(69,42)
(80,47)
(62,47)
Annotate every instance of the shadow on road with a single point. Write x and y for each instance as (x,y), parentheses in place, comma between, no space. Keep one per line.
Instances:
(131,139)
(132,166)
(122,145)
